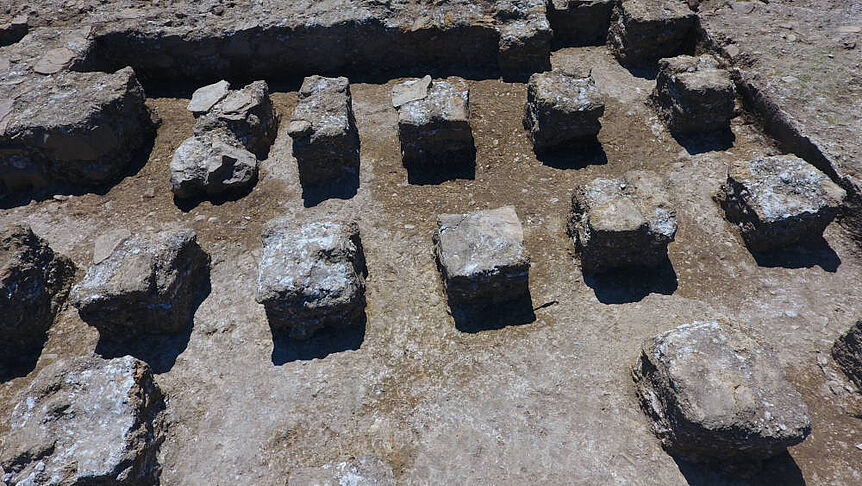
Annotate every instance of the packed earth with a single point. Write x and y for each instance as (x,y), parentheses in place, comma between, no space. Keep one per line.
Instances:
(373,242)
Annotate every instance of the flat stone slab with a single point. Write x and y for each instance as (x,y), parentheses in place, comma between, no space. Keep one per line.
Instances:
(311,276)
(694,94)
(643,31)
(481,256)
(211,165)
(248,114)
(779,201)
(434,130)
(562,108)
(146,286)
(34,282)
(847,352)
(622,222)
(85,420)
(716,395)
(580,22)
(204,98)
(323,129)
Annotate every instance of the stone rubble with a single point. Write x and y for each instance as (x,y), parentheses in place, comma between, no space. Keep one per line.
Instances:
(562,108)
(847,352)
(211,165)
(248,114)
(85,420)
(323,129)
(779,201)
(481,256)
(622,222)
(694,94)
(146,286)
(715,395)
(644,31)
(311,276)
(34,282)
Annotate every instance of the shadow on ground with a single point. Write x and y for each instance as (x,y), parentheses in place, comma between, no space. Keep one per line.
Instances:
(160,351)
(574,156)
(701,143)
(781,470)
(323,343)
(807,256)
(22,362)
(187,204)
(474,318)
(343,188)
(628,285)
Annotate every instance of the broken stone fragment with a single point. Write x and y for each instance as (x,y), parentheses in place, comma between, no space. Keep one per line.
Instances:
(411,90)
(481,256)
(580,22)
(779,201)
(147,285)
(248,113)
(847,352)
(203,99)
(367,470)
(694,94)
(562,108)
(435,130)
(643,31)
(311,276)
(622,222)
(85,420)
(34,281)
(323,129)
(212,165)
(715,395)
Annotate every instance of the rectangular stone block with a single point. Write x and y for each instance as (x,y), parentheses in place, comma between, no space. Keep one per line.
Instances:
(311,276)
(562,108)
(779,201)
(626,222)
(434,123)
(580,22)
(323,129)
(481,256)
(694,95)
(644,31)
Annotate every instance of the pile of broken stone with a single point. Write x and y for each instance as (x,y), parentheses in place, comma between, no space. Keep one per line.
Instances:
(714,391)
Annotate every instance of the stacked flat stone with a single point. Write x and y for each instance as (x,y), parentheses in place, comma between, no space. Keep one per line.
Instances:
(323,129)
(625,222)
(311,276)
(779,201)
(141,284)
(85,420)
(715,395)
(481,256)
(434,123)
(580,22)
(562,108)
(232,129)
(847,352)
(34,281)
(694,94)
(644,31)
(525,38)
(63,129)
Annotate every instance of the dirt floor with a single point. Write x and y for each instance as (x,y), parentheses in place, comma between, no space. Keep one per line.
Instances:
(548,401)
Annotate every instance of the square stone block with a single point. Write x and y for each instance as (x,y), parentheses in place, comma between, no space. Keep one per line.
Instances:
(323,129)
(434,123)
(644,31)
(311,276)
(580,22)
(481,256)
(716,395)
(562,108)
(622,222)
(694,94)
(779,201)
(525,39)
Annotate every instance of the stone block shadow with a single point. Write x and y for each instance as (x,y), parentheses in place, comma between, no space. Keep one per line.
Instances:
(780,470)
(473,318)
(21,362)
(575,156)
(450,167)
(343,188)
(701,143)
(323,343)
(819,253)
(629,285)
(160,351)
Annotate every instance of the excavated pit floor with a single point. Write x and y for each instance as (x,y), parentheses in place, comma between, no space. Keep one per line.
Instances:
(547,401)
